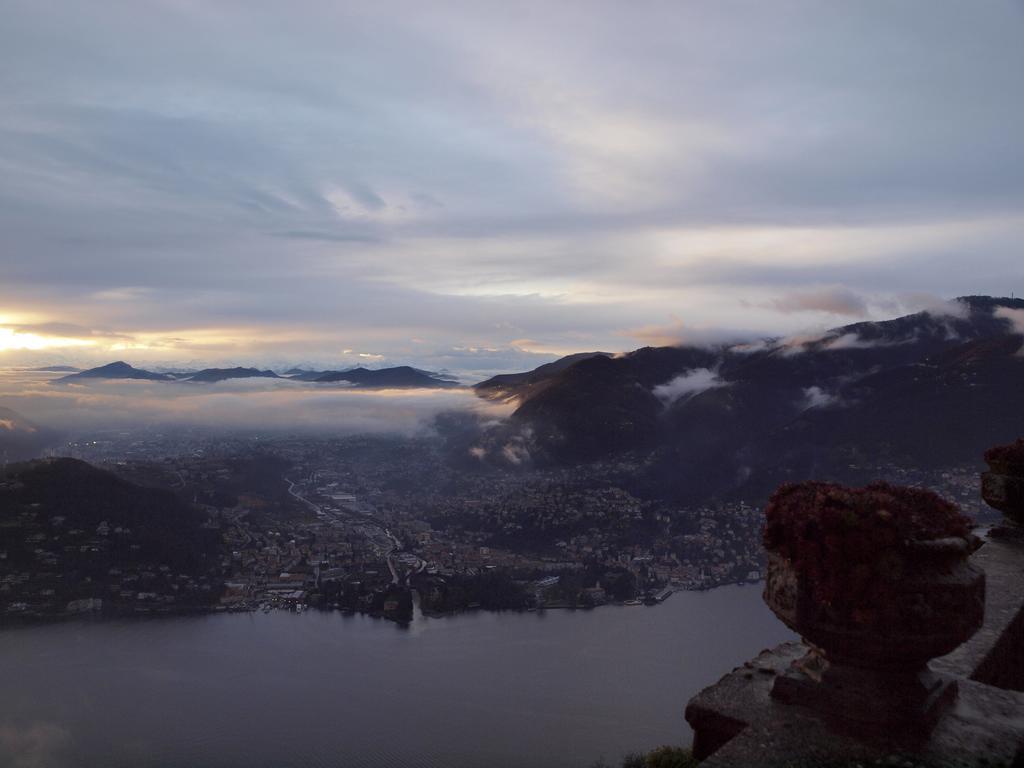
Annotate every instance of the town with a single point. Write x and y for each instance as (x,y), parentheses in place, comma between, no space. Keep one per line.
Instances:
(388,525)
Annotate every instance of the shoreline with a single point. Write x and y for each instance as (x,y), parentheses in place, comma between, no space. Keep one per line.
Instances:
(36,619)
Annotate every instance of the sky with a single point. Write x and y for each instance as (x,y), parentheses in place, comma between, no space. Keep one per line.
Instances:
(481,186)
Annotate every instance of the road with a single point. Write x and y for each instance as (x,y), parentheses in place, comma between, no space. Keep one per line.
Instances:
(300,497)
(370,526)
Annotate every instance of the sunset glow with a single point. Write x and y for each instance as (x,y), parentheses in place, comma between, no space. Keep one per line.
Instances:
(11,340)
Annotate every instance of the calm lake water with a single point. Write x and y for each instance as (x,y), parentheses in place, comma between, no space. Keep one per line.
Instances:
(559,688)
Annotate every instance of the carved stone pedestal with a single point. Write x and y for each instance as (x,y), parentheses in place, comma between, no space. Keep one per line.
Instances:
(866,700)
(872,678)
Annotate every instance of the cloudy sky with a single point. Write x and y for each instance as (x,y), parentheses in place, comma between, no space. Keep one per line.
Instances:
(478,186)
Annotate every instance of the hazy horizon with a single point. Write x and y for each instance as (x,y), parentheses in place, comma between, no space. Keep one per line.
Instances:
(467,369)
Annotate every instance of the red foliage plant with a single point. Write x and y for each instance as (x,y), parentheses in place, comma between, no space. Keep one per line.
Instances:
(1008,456)
(851,543)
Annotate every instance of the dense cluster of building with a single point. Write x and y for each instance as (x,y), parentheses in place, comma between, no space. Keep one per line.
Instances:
(356,522)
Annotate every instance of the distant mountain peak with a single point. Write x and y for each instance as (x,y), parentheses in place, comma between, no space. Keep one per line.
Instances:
(398,377)
(117,365)
(991,302)
(118,369)
(213,375)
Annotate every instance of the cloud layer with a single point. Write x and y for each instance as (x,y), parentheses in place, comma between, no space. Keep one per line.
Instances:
(248,181)
(251,405)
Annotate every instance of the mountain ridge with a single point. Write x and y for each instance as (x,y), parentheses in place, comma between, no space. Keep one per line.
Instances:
(119,369)
(737,418)
(213,375)
(402,376)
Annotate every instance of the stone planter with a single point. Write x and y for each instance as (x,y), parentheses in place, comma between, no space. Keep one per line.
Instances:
(937,605)
(868,667)
(1002,487)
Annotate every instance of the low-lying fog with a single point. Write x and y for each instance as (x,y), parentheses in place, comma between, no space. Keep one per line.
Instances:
(262,404)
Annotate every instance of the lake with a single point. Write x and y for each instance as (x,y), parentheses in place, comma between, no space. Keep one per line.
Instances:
(559,688)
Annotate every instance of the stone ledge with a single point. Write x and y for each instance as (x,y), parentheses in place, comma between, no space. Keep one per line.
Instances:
(985,724)
(736,722)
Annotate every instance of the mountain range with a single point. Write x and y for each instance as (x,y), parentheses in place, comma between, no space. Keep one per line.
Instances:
(402,376)
(212,375)
(930,389)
